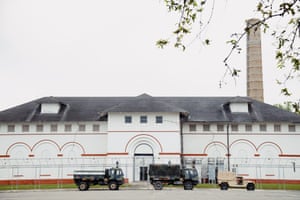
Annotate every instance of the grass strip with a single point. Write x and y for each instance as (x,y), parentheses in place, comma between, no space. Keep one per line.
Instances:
(204,186)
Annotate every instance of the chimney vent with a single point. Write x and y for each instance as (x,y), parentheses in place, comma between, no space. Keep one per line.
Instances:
(254,62)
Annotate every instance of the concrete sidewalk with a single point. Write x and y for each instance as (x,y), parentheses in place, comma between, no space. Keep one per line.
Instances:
(141,185)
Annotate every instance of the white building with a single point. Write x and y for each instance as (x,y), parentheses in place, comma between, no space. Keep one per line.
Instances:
(46,139)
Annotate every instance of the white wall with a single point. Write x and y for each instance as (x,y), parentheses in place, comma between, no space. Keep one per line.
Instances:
(163,137)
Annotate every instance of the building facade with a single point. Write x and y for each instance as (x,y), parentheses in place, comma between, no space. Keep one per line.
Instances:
(47,139)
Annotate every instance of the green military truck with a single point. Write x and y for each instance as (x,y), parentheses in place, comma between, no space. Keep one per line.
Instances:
(112,177)
(161,174)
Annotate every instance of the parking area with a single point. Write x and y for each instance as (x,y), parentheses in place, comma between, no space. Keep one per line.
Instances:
(172,194)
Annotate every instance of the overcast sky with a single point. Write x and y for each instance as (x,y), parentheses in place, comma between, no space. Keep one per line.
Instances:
(107,48)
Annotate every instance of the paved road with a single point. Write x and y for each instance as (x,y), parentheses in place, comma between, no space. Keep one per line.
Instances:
(167,194)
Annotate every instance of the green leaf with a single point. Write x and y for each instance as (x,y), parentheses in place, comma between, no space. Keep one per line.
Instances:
(207,42)
(235,72)
(285,92)
(279,55)
(296,64)
(162,43)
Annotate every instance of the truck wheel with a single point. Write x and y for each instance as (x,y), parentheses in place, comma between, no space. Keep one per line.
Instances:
(224,186)
(250,186)
(188,185)
(83,186)
(113,186)
(157,185)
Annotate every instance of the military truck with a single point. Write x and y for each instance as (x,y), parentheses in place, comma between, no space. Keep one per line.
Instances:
(228,179)
(112,177)
(161,174)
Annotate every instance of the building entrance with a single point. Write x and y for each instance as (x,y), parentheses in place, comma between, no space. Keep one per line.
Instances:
(143,157)
(141,164)
(143,173)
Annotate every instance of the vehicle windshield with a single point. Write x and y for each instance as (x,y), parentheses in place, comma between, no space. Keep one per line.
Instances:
(119,172)
(191,172)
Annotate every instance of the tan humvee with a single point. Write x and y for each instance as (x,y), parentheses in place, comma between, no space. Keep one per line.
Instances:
(229,179)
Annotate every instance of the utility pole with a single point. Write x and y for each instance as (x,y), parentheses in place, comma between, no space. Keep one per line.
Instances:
(228,150)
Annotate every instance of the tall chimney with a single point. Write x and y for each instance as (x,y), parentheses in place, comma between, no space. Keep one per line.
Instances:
(254,62)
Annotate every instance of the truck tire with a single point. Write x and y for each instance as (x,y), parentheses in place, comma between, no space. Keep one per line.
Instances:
(250,187)
(113,185)
(188,185)
(157,185)
(83,186)
(224,186)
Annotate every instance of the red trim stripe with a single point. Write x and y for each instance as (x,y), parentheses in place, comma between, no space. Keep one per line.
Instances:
(290,155)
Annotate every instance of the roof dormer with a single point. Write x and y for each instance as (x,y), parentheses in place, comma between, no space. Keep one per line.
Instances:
(50,108)
(239,105)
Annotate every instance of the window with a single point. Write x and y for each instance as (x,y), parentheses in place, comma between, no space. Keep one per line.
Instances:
(53,127)
(234,127)
(239,107)
(11,128)
(159,119)
(50,108)
(96,127)
(192,127)
(25,128)
(39,128)
(277,128)
(81,127)
(128,119)
(143,119)
(292,128)
(248,127)
(206,127)
(220,127)
(263,127)
(68,127)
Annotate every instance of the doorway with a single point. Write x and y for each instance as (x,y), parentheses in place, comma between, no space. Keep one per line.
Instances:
(143,173)
(141,164)
(143,157)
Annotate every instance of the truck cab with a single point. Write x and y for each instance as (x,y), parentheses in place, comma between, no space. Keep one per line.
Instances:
(190,178)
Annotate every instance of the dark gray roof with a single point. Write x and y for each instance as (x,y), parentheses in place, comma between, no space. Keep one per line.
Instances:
(203,109)
(145,103)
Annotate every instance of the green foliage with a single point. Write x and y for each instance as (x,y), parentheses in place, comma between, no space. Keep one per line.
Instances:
(287,38)
(188,11)
(162,43)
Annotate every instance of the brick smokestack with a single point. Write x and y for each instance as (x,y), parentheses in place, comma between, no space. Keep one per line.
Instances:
(254,62)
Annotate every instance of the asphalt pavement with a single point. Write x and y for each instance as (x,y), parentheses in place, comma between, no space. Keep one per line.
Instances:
(150,194)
